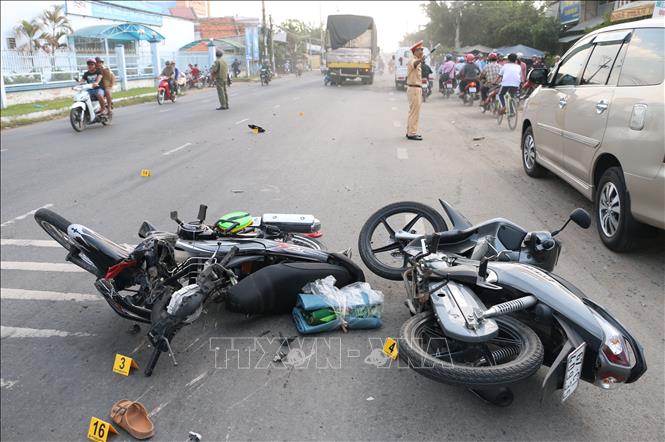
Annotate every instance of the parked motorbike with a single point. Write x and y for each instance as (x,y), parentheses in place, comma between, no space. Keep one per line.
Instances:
(470,93)
(195,82)
(84,111)
(164,91)
(266,76)
(165,279)
(487,311)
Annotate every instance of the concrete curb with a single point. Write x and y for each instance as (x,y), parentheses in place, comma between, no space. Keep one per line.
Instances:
(47,113)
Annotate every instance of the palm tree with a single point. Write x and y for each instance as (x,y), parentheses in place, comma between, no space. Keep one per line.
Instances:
(56,26)
(31,31)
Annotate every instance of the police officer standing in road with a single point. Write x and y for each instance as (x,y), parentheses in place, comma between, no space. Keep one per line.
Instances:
(414,90)
(220,71)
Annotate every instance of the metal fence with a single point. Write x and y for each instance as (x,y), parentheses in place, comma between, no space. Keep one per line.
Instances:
(63,66)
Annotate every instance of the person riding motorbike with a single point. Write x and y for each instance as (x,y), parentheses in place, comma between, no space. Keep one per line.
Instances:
(94,76)
(265,66)
(176,77)
(489,76)
(458,65)
(447,71)
(235,66)
(468,73)
(169,73)
(108,81)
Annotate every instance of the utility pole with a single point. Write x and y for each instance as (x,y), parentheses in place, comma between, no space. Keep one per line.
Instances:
(457,26)
(272,47)
(264,39)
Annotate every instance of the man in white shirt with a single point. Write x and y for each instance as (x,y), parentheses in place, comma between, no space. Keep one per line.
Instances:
(510,76)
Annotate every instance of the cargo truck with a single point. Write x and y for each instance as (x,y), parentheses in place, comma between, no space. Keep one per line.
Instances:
(350,48)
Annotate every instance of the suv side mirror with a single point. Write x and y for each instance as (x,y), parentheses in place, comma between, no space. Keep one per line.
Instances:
(581,217)
(538,76)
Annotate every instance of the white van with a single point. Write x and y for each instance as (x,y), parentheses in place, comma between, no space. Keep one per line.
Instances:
(402,57)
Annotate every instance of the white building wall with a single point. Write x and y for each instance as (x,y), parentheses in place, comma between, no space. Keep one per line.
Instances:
(12,12)
(177,32)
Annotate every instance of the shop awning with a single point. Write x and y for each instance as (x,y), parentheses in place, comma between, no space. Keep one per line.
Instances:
(224,43)
(124,31)
(633,10)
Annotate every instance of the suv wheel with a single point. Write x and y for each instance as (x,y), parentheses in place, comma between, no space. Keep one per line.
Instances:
(616,225)
(531,167)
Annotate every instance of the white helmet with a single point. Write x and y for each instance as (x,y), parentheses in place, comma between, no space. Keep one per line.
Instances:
(520,55)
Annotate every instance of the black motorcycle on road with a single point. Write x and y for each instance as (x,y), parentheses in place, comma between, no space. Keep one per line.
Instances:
(487,311)
(165,280)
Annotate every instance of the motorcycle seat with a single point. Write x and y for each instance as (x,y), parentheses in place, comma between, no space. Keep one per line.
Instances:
(109,253)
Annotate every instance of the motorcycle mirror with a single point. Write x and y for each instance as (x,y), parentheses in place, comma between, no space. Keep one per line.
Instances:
(174,217)
(202,213)
(581,217)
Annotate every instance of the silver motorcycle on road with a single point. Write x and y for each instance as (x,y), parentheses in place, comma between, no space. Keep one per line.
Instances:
(487,311)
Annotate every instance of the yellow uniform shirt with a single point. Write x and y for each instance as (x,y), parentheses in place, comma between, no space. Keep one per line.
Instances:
(414,74)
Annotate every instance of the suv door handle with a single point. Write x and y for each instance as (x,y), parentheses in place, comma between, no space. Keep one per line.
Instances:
(601,107)
(562,102)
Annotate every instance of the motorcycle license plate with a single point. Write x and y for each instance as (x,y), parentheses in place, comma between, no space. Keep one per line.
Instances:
(472,90)
(449,85)
(573,371)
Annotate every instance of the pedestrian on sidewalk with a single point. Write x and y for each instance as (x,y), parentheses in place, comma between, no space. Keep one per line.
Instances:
(414,91)
(220,71)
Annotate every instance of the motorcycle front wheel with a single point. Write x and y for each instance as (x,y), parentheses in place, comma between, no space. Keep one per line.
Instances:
(160,97)
(515,354)
(379,249)
(77,119)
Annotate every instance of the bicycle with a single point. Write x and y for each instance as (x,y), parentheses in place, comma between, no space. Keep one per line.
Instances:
(511,111)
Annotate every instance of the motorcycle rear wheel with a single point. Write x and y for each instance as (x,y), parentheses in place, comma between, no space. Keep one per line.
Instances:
(421,333)
(416,212)
(56,226)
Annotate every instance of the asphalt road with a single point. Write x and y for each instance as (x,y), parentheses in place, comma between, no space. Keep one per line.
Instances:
(340,154)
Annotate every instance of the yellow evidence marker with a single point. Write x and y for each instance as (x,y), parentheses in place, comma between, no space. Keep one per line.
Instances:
(123,364)
(146,172)
(99,430)
(390,348)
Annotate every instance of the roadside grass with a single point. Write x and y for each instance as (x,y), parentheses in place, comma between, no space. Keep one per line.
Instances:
(24,121)
(59,103)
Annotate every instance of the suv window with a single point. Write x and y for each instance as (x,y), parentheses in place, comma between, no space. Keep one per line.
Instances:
(572,66)
(645,58)
(600,63)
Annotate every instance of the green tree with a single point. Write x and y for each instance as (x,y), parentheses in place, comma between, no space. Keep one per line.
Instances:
(489,23)
(56,26)
(31,32)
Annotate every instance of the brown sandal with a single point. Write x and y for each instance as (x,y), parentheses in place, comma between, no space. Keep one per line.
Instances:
(133,417)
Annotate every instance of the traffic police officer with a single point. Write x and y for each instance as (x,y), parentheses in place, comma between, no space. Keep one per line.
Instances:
(414,90)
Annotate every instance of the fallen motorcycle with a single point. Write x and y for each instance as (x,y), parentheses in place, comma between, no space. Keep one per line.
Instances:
(486,310)
(260,271)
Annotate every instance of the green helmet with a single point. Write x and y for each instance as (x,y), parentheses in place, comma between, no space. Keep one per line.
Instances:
(234,222)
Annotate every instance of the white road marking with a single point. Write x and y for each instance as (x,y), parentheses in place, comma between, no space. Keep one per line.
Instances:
(158,409)
(39,266)
(165,110)
(39,295)
(177,149)
(394,108)
(277,106)
(4,150)
(402,154)
(25,215)
(396,123)
(7,384)
(29,242)
(196,379)
(242,121)
(21,332)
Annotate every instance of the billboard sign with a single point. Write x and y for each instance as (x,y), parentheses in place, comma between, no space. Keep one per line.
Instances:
(569,11)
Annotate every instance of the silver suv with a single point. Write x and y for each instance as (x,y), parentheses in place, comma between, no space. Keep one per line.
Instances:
(597,122)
